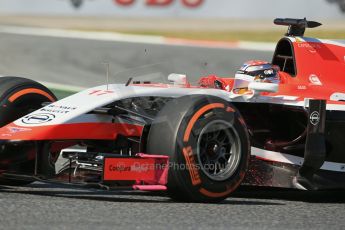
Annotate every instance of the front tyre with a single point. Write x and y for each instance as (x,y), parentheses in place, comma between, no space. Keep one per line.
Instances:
(18,97)
(208,145)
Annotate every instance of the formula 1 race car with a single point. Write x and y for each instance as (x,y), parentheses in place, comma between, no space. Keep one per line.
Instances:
(276,124)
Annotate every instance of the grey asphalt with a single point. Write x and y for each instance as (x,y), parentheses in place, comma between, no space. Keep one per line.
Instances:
(78,62)
(43,206)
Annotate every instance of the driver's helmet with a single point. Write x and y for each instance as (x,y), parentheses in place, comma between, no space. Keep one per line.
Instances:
(261,71)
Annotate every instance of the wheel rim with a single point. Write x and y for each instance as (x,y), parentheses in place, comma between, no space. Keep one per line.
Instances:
(219,150)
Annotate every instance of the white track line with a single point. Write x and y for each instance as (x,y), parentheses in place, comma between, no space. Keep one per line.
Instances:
(62,33)
(118,37)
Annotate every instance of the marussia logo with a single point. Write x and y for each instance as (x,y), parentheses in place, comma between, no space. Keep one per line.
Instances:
(314,80)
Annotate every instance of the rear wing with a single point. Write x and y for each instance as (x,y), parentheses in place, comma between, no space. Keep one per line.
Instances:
(296,26)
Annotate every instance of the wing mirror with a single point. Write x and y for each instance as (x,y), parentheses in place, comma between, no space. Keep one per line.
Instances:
(178,79)
(261,87)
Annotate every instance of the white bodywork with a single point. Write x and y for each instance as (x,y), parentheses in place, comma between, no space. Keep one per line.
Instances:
(74,109)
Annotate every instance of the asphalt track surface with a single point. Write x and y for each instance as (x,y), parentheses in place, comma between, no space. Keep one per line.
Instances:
(78,62)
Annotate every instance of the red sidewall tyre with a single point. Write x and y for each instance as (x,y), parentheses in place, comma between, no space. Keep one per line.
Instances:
(177,132)
(18,97)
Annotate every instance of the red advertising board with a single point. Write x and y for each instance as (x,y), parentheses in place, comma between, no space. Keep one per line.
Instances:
(186,3)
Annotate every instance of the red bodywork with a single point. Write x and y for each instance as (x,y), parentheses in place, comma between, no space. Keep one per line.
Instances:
(319,66)
(315,60)
(79,131)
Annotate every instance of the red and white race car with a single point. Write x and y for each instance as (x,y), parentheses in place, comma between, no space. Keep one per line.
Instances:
(275,124)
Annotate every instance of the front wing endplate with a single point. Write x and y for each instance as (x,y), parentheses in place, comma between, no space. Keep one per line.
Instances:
(147,172)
